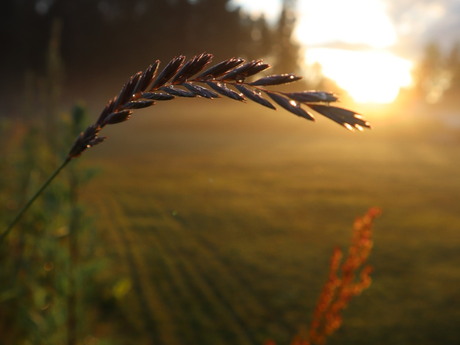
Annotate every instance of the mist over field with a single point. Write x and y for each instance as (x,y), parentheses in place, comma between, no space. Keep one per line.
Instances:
(252,203)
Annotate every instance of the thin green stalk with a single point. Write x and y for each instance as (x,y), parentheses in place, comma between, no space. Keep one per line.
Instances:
(73,249)
(33,198)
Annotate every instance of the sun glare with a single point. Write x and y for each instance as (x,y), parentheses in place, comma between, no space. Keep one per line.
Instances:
(371,76)
(269,8)
(353,21)
(352,41)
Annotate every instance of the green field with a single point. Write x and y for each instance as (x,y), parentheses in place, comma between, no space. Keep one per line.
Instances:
(222,219)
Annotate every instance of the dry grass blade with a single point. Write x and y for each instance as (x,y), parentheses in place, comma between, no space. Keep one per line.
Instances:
(276,79)
(244,71)
(290,105)
(168,72)
(147,77)
(225,91)
(200,91)
(118,117)
(254,96)
(312,96)
(85,140)
(220,69)
(157,96)
(138,104)
(192,67)
(181,78)
(175,91)
(347,118)
(128,90)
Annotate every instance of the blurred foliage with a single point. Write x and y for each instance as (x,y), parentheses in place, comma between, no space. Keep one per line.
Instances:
(39,272)
(437,75)
(47,258)
(286,50)
(47,261)
(120,34)
(101,40)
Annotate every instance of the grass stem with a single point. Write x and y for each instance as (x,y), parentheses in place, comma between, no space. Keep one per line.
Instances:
(33,198)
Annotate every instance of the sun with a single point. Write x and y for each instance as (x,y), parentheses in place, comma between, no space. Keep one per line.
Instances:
(370,76)
(352,41)
(351,21)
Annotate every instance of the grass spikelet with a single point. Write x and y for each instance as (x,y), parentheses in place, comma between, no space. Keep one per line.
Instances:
(181,78)
(228,78)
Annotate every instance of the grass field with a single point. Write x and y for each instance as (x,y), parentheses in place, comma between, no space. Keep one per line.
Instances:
(223,217)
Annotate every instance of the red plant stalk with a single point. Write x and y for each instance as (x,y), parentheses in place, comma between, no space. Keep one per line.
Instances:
(346,280)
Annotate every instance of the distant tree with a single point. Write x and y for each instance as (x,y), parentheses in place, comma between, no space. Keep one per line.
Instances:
(24,35)
(98,35)
(431,76)
(217,28)
(259,40)
(453,66)
(286,50)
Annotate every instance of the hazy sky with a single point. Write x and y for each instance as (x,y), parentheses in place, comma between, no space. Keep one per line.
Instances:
(421,21)
(412,23)
(369,47)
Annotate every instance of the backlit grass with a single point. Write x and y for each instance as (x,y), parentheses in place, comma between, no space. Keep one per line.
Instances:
(229,222)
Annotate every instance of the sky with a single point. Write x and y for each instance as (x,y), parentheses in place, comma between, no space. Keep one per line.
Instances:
(368,46)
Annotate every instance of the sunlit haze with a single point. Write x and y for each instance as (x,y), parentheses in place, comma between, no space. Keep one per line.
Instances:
(371,76)
(352,42)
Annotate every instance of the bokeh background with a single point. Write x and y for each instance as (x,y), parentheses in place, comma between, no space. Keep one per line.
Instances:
(212,222)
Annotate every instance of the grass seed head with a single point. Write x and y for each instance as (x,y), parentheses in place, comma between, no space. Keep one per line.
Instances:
(181,78)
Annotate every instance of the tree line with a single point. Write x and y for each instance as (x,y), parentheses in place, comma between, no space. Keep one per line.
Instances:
(100,38)
(105,37)
(437,75)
